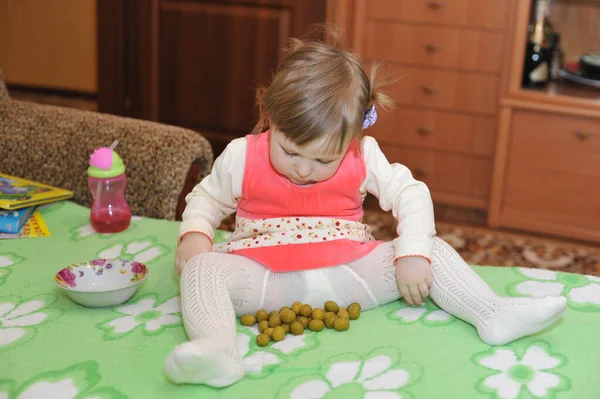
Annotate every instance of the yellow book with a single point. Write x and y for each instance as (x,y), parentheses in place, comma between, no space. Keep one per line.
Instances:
(34,227)
(16,193)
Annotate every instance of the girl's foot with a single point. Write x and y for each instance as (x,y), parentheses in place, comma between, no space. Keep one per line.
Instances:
(518,317)
(202,362)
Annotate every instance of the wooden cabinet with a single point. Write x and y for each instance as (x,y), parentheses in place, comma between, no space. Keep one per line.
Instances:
(552,181)
(196,63)
(447,59)
(464,125)
(439,130)
(455,177)
(547,155)
(463,92)
(436,46)
(485,14)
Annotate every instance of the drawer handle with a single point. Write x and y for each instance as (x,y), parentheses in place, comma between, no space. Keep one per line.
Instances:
(422,172)
(431,48)
(436,5)
(583,135)
(429,89)
(425,131)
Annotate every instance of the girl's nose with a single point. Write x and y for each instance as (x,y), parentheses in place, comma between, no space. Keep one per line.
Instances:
(302,170)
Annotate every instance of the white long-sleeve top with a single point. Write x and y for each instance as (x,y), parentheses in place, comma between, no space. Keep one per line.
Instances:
(409,200)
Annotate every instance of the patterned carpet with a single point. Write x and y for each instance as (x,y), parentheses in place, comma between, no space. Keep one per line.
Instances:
(486,247)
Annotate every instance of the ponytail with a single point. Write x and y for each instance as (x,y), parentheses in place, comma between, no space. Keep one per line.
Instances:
(378,97)
(262,125)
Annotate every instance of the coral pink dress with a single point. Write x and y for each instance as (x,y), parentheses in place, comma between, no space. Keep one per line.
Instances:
(287,227)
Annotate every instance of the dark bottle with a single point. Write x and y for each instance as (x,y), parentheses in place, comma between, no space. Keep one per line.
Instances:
(536,69)
(556,57)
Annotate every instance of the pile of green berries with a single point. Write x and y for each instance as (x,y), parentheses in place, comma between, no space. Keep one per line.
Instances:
(295,319)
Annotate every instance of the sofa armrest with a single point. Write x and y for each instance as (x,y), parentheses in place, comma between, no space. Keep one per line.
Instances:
(4,96)
(52,145)
(195,173)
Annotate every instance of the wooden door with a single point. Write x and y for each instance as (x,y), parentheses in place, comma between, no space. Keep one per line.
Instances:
(49,44)
(195,63)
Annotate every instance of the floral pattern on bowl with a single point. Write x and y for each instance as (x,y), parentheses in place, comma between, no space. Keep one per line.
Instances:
(80,276)
(101,282)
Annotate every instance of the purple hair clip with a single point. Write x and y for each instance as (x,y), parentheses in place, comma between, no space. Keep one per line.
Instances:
(370,117)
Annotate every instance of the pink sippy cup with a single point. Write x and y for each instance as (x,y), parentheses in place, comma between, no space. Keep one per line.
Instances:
(107,182)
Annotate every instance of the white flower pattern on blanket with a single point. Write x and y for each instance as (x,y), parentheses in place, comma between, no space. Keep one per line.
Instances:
(427,313)
(144,250)
(19,318)
(377,375)
(582,292)
(77,381)
(6,261)
(144,313)
(513,374)
(255,362)
(261,361)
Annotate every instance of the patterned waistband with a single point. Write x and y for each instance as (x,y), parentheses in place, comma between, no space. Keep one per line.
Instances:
(295,230)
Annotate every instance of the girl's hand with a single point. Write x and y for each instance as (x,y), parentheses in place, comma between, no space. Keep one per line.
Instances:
(191,245)
(414,278)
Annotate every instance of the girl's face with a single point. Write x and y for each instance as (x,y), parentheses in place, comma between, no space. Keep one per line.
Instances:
(303,165)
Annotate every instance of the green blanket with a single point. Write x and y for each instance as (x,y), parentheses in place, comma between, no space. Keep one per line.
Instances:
(51,347)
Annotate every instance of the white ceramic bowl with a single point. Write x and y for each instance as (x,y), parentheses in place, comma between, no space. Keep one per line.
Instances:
(101,282)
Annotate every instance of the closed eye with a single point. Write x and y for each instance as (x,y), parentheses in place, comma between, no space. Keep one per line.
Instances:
(291,154)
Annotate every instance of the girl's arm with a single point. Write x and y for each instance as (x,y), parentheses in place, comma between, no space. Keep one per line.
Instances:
(216,196)
(408,199)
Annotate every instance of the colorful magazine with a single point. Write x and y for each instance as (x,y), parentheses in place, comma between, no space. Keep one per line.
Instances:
(16,193)
(12,221)
(34,227)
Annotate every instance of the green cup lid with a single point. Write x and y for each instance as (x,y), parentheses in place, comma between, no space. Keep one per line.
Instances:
(105,162)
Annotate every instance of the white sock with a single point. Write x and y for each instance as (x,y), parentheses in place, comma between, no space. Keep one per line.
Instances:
(208,284)
(499,320)
(203,361)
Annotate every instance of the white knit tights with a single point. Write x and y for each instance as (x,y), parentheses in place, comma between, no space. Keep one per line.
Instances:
(216,287)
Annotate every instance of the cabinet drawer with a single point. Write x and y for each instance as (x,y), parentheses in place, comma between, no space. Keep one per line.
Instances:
(445,173)
(491,14)
(435,88)
(455,48)
(427,129)
(553,173)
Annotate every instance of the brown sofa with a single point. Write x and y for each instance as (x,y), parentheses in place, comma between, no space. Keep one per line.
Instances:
(52,145)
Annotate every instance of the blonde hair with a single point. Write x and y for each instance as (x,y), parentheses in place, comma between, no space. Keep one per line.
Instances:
(319,90)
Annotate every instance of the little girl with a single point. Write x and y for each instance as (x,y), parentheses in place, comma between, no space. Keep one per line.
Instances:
(297,185)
